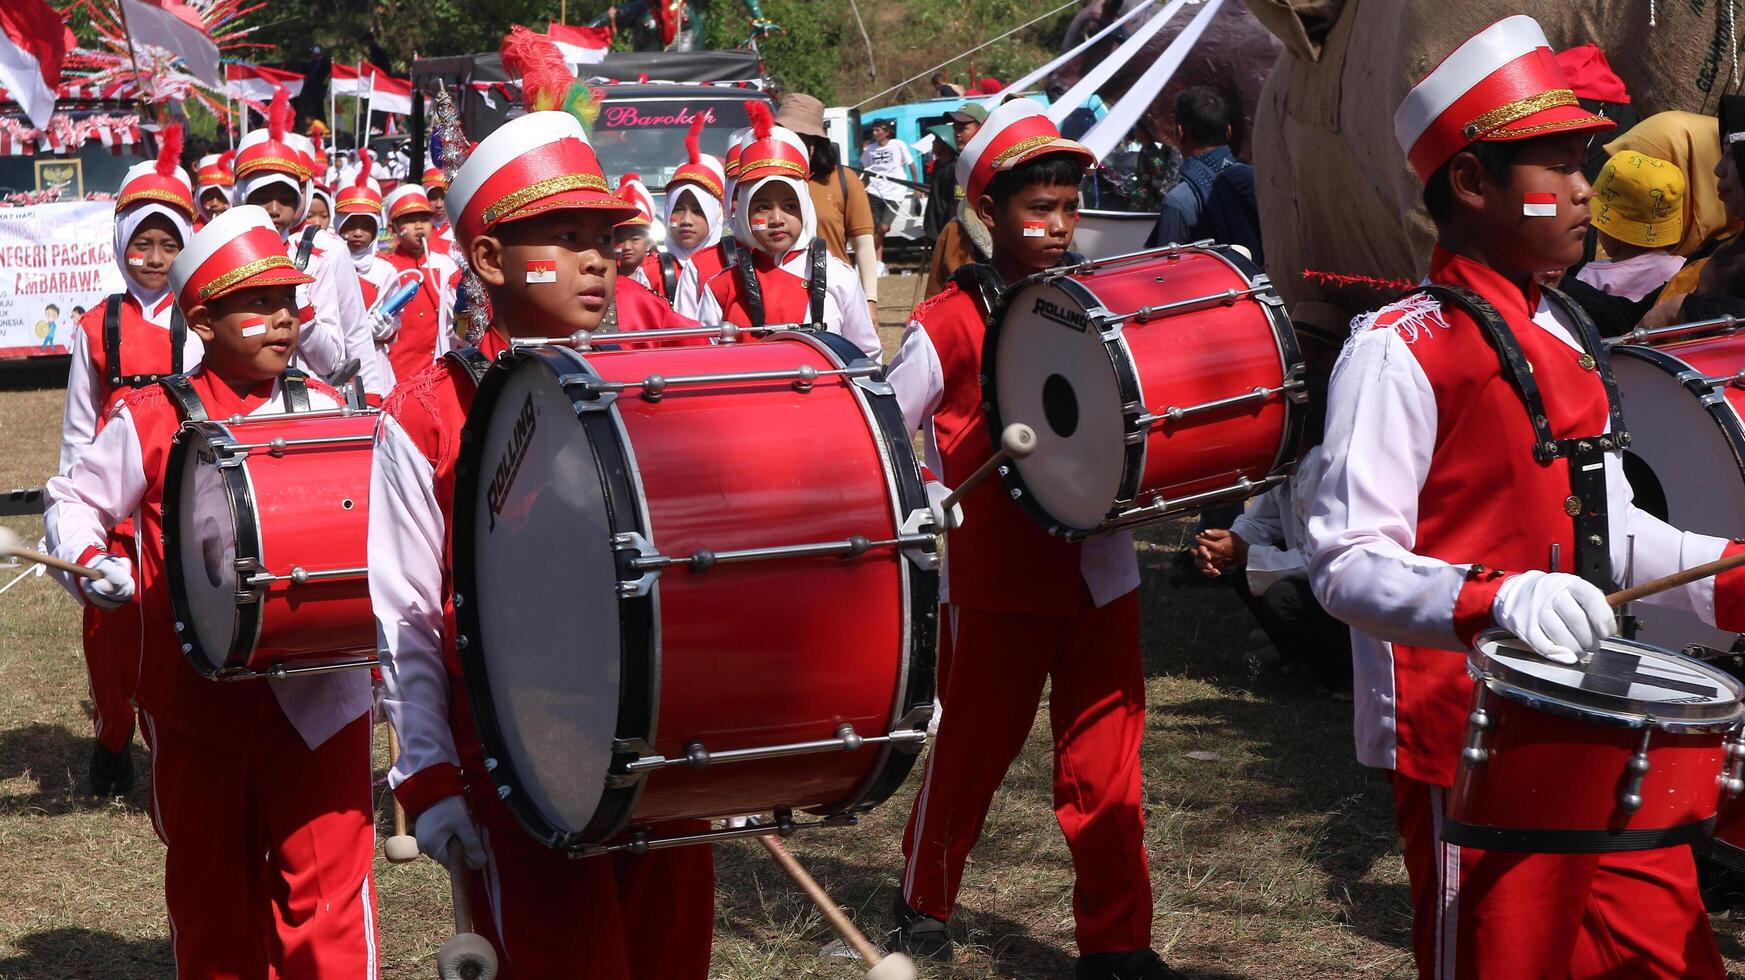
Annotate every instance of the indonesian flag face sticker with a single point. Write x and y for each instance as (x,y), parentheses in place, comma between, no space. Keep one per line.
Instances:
(1536,205)
(760,224)
(254,326)
(1035,229)
(542,270)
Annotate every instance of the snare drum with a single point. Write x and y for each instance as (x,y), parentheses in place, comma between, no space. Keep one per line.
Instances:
(1157,383)
(690,583)
(265,524)
(1683,405)
(1626,752)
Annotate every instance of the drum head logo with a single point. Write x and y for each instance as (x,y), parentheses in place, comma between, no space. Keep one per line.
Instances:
(1064,316)
(510,464)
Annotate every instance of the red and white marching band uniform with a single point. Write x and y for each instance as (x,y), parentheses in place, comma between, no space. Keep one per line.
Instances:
(700,180)
(260,790)
(108,360)
(1025,609)
(650,916)
(648,273)
(426,324)
(777,155)
(335,324)
(701,265)
(375,274)
(1423,533)
(442,239)
(213,175)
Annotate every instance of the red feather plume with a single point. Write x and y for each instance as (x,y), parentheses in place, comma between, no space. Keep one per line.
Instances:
(625,180)
(363,172)
(280,116)
(320,155)
(693,140)
(544,76)
(169,150)
(761,120)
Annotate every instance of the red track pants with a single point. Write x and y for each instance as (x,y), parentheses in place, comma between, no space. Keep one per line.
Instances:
(1493,914)
(112,647)
(267,873)
(616,917)
(990,685)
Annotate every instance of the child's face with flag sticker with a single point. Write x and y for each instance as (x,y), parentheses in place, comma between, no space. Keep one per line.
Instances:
(151,250)
(550,274)
(249,335)
(775,217)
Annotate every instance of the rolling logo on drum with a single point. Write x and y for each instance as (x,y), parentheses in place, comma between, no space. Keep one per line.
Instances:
(519,440)
(1061,315)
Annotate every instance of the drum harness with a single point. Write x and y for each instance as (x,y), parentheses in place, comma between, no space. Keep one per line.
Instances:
(470,360)
(112,345)
(304,247)
(740,259)
(181,391)
(669,274)
(1586,504)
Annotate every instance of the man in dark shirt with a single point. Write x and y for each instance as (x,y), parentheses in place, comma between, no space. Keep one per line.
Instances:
(1203,133)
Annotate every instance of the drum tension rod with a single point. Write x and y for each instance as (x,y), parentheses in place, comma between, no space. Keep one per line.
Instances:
(1161,506)
(704,559)
(803,377)
(1228,297)
(1641,334)
(1176,414)
(300,575)
(697,756)
(640,842)
(278,446)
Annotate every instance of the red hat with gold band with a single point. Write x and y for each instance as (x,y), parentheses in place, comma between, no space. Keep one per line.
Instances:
(532,164)
(633,192)
(1503,84)
(239,249)
(214,171)
(364,196)
(1015,133)
(772,151)
(434,178)
(273,150)
(699,168)
(162,181)
(407,199)
(735,146)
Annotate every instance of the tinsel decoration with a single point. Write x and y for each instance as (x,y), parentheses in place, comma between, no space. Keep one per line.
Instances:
(451,136)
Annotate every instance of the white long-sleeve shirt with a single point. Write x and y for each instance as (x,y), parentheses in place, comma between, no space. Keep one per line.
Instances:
(84,404)
(845,307)
(1381,432)
(1281,513)
(339,328)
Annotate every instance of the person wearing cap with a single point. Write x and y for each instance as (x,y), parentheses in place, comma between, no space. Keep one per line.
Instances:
(261,792)
(1638,217)
(435,183)
(1026,609)
(127,341)
(213,186)
(839,199)
(963,239)
(942,186)
(695,213)
(423,330)
(888,162)
(797,279)
(633,242)
(274,169)
(359,211)
(544,260)
(1448,508)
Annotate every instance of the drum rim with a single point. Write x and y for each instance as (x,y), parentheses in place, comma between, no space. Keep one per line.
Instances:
(206,437)
(1711,400)
(1536,692)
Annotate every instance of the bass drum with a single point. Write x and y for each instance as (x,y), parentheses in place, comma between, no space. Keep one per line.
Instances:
(1683,407)
(692,583)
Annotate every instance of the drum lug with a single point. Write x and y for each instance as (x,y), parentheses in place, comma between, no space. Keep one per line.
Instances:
(246,570)
(1733,776)
(620,776)
(920,521)
(1477,724)
(593,403)
(638,546)
(1630,798)
(873,384)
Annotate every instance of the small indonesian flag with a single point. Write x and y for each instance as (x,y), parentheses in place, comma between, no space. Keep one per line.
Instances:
(759,224)
(33,39)
(542,270)
(254,326)
(1538,205)
(580,45)
(1035,229)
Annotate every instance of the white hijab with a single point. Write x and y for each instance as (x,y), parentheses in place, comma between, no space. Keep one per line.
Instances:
(255,181)
(126,224)
(742,196)
(711,209)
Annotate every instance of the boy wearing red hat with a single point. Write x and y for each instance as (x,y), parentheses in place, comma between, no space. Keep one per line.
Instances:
(1026,609)
(358,222)
(128,341)
(436,190)
(545,262)
(260,790)
(213,185)
(1474,444)
(423,330)
(633,240)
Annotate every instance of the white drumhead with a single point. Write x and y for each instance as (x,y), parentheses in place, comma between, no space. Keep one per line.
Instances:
(206,536)
(1694,469)
(1053,373)
(546,598)
(1620,678)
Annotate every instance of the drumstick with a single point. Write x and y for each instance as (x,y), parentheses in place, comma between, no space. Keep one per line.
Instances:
(1016,442)
(1676,579)
(466,955)
(10,546)
(889,967)
(399,848)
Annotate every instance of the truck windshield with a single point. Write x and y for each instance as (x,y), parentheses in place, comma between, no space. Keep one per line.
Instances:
(646,136)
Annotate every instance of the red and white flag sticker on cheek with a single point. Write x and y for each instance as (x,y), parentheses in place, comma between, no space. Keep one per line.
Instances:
(1035,229)
(135,261)
(254,326)
(759,224)
(1537,205)
(542,270)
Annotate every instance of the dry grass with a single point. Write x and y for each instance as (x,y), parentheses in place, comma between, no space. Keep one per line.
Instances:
(1274,861)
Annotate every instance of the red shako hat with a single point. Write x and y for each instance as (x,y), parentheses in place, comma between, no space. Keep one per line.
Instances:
(364,196)
(271,150)
(771,151)
(1014,133)
(239,249)
(699,168)
(162,180)
(407,199)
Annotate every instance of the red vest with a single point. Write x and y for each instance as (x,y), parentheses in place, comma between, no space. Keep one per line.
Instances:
(711,260)
(144,349)
(784,294)
(641,309)
(1000,560)
(414,347)
(651,269)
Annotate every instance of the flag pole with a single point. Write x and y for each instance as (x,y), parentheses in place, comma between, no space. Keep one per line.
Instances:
(357,108)
(133,56)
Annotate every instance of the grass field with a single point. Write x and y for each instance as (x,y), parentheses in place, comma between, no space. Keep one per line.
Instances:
(1272,852)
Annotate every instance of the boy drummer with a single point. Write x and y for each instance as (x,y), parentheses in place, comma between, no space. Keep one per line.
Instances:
(1446,497)
(545,260)
(260,789)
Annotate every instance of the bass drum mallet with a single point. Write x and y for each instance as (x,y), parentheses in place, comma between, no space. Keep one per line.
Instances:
(1016,442)
(894,966)
(401,847)
(12,547)
(466,955)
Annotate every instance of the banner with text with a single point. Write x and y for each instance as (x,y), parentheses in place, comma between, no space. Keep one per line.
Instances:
(56,262)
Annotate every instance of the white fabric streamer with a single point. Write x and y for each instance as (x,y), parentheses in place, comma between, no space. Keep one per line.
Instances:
(1113,128)
(1087,86)
(1053,66)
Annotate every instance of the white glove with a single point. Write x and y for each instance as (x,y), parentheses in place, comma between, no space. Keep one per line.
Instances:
(943,520)
(116,585)
(384,327)
(448,820)
(1559,616)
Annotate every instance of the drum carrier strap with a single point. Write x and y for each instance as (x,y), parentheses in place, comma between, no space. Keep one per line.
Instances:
(739,258)
(669,274)
(294,382)
(296,385)
(304,247)
(1587,504)
(817,280)
(470,360)
(112,345)
(982,283)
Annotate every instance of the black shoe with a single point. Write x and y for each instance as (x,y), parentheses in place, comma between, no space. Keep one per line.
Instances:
(111,772)
(918,934)
(1142,964)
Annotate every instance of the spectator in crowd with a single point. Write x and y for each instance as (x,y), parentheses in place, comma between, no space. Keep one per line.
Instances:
(840,200)
(1203,133)
(1638,216)
(1727,195)
(943,89)
(941,183)
(963,239)
(1692,143)
(887,161)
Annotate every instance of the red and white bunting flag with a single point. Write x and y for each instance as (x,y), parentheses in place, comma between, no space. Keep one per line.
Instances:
(174,26)
(1537,205)
(390,94)
(580,45)
(353,79)
(33,40)
(258,82)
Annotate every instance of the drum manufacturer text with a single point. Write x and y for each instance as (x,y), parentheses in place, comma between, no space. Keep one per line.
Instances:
(1061,315)
(510,465)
